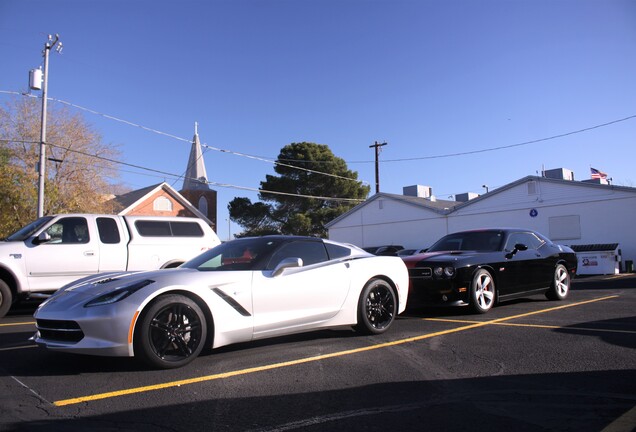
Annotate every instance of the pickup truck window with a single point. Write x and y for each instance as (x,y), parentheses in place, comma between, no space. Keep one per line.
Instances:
(108,231)
(168,229)
(70,230)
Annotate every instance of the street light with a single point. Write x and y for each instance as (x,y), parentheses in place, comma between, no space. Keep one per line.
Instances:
(34,85)
(485,187)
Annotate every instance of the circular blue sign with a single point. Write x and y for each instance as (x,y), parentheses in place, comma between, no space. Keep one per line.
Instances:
(534,213)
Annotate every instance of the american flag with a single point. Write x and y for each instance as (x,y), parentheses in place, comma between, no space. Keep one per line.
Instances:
(596,174)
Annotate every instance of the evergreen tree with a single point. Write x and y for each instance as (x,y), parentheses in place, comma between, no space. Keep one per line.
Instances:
(306,199)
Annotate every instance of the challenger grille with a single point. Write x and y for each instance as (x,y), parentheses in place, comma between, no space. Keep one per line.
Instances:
(420,272)
(60,331)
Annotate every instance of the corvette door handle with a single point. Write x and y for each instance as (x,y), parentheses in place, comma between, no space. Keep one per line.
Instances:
(89,253)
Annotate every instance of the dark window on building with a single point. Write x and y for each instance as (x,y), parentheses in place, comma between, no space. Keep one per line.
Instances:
(108,230)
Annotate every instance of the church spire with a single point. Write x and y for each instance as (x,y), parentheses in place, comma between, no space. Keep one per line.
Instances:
(195,176)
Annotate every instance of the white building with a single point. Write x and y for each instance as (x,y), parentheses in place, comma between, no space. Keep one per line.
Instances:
(568,212)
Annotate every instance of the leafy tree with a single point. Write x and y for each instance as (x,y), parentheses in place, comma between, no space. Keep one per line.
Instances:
(306,198)
(75,181)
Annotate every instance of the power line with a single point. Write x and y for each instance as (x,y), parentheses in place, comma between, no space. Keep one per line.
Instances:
(211,183)
(265,159)
(514,145)
(259,158)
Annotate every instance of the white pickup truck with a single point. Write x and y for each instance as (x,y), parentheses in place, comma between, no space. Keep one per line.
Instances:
(55,250)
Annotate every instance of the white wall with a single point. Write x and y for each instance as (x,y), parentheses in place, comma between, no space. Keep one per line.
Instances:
(383,221)
(570,213)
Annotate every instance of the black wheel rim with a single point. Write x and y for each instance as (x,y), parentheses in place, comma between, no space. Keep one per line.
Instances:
(175,332)
(380,307)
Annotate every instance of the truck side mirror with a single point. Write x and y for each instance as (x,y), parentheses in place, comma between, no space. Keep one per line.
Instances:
(42,238)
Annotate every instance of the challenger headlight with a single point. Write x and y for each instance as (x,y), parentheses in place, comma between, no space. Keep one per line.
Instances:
(447,271)
(118,294)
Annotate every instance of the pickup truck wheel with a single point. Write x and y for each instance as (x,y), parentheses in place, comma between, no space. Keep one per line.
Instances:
(171,333)
(6,298)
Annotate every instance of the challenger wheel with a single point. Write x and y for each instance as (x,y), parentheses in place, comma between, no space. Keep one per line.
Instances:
(482,292)
(377,307)
(560,284)
(171,333)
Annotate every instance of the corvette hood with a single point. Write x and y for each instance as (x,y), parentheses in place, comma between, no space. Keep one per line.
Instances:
(80,291)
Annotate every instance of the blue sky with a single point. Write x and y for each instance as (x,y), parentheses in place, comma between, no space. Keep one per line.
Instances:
(430,78)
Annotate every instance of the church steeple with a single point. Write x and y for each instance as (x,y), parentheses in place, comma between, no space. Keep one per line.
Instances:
(195,176)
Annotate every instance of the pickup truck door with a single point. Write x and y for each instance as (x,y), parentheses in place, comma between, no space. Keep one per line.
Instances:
(71,253)
(113,244)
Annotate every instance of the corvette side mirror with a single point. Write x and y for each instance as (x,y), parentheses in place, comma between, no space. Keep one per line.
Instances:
(287,263)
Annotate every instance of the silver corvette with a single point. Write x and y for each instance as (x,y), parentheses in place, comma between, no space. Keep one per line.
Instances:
(246,289)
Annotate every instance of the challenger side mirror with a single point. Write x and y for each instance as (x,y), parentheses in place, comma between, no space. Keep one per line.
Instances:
(518,247)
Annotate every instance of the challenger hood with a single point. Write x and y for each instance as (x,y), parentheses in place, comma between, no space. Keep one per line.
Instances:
(442,256)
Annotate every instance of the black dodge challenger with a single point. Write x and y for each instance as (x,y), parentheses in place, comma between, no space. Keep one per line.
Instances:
(482,267)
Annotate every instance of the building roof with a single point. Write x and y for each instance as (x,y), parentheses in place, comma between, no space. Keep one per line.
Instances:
(196,177)
(132,199)
(445,207)
(436,205)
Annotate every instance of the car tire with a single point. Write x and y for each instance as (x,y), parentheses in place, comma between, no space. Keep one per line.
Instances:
(6,298)
(482,292)
(171,332)
(377,307)
(560,286)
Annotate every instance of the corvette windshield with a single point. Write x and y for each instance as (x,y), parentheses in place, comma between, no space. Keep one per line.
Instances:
(240,254)
(483,241)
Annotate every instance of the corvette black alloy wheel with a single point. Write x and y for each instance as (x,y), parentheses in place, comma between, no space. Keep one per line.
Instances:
(377,307)
(172,332)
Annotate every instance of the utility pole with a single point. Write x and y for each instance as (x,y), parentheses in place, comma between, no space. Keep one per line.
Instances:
(42,165)
(377,164)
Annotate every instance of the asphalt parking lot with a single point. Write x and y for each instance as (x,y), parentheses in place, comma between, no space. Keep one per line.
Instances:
(528,365)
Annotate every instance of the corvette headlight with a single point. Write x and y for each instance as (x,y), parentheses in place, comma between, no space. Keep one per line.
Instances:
(118,294)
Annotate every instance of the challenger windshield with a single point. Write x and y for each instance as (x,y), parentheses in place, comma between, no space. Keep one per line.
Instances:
(483,241)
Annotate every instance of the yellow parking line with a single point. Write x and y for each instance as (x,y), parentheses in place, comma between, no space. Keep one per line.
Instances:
(17,324)
(223,375)
(13,348)
(543,326)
